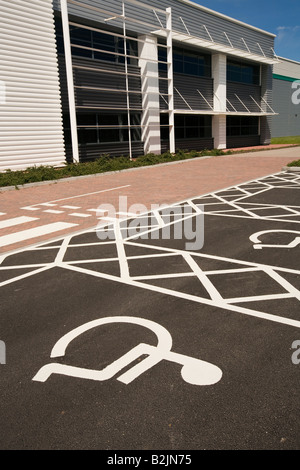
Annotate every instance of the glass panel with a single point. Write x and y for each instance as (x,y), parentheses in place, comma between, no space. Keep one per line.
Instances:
(179,133)
(87,136)
(243,73)
(192,132)
(109,135)
(86,119)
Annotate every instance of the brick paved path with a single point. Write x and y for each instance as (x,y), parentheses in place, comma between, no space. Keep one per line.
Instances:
(70,205)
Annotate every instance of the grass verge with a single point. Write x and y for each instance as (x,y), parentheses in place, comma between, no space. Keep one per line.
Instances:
(286,140)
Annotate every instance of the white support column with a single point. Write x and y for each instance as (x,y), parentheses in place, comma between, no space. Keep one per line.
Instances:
(219,75)
(170,79)
(150,98)
(219,131)
(70,79)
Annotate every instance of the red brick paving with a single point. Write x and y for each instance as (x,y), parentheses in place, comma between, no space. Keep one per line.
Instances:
(162,184)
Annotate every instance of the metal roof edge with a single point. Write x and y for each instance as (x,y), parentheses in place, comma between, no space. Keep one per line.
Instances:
(221,15)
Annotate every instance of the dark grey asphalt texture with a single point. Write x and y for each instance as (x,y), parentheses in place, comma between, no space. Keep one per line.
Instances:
(228,319)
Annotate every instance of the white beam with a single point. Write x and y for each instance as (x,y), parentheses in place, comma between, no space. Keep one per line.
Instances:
(70,78)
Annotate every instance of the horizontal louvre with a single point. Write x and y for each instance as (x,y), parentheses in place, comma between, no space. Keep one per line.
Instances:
(239,96)
(243,141)
(90,152)
(31,131)
(200,22)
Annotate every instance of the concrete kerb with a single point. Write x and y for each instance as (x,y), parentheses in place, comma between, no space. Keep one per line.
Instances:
(105,224)
(291,169)
(71,178)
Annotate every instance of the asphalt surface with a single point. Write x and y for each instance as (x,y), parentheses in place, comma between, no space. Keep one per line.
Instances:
(168,330)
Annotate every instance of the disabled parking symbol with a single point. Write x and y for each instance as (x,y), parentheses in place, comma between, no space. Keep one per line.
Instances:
(258,245)
(193,371)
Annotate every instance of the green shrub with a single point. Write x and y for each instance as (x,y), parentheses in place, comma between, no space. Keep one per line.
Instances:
(294,163)
(103,164)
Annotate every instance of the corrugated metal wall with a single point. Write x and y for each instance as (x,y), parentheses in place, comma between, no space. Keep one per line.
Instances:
(287,123)
(193,16)
(187,86)
(30,116)
(240,91)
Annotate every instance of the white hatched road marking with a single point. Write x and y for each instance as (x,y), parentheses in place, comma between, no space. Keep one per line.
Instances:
(52,211)
(78,214)
(34,232)
(16,221)
(216,300)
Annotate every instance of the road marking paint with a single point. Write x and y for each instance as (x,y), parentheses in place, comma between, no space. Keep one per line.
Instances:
(201,300)
(193,371)
(34,232)
(29,208)
(78,214)
(51,203)
(16,221)
(23,276)
(71,207)
(52,211)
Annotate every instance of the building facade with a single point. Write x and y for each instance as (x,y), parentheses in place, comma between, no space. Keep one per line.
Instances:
(81,78)
(286,98)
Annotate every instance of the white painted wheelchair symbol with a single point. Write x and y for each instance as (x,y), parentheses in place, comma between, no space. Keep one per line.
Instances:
(194,371)
(258,244)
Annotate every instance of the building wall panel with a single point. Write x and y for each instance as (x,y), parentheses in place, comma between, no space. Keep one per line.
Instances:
(287,123)
(194,17)
(31,130)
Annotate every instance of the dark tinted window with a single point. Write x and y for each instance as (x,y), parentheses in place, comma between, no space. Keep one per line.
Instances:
(243,73)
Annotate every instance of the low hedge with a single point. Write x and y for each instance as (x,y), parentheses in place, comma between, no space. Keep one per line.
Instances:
(102,164)
(294,163)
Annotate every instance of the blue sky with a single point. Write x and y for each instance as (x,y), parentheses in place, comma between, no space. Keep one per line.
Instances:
(280,17)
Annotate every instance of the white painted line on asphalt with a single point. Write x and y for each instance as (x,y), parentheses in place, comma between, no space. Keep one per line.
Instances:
(2,213)
(71,207)
(34,232)
(16,221)
(23,276)
(46,204)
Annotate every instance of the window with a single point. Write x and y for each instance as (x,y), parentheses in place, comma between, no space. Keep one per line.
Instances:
(164,130)
(186,62)
(192,126)
(243,73)
(242,126)
(93,128)
(87,41)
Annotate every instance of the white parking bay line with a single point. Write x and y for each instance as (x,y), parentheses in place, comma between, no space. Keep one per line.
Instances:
(16,221)
(34,232)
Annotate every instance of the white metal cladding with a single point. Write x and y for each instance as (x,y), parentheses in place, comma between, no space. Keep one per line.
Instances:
(287,68)
(31,131)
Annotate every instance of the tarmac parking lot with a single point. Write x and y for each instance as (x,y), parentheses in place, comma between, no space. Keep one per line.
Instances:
(174,328)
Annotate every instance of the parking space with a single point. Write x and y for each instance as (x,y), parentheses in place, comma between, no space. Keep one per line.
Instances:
(168,329)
